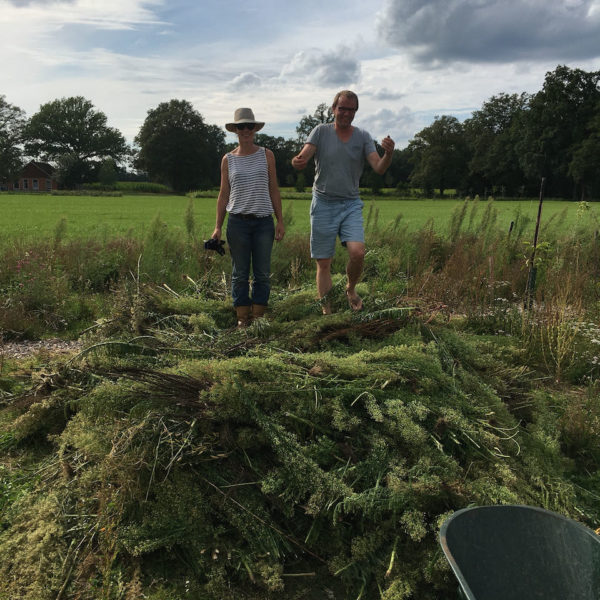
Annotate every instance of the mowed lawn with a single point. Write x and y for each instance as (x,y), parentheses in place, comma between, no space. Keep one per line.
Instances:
(33,217)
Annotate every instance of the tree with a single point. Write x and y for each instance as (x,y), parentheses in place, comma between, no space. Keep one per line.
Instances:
(322,114)
(177,148)
(108,173)
(72,171)
(400,169)
(300,184)
(583,167)
(440,155)
(554,126)
(284,150)
(12,121)
(73,126)
(491,136)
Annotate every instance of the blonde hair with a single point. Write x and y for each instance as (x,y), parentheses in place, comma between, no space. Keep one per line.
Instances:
(347,94)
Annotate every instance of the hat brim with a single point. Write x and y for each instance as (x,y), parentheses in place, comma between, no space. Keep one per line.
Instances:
(231,126)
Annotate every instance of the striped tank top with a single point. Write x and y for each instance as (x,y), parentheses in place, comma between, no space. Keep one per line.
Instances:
(249,184)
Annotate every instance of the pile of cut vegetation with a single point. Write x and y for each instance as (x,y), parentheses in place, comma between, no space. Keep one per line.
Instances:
(306,456)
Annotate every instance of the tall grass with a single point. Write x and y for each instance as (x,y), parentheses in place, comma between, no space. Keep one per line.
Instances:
(477,269)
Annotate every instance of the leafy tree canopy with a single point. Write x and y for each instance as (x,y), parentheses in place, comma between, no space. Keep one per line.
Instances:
(72,126)
(284,150)
(178,148)
(491,135)
(583,167)
(72,171)
(322,114)
(556,123)
(108,172)
(497,114)
(439,154)
(12,121)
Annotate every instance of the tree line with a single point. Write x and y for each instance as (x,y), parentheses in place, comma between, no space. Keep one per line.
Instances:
(514,140)
(502,149)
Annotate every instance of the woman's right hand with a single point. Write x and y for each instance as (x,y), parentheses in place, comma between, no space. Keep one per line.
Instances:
(216,234)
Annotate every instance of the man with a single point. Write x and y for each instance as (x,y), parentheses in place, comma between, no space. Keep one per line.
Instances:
(340,150)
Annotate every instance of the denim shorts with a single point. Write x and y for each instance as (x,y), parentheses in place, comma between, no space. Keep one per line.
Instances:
(330,218)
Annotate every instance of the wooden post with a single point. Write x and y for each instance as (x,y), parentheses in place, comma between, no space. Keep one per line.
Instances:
(530,290)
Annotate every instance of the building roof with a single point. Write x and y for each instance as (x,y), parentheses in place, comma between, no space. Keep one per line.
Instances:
(33,167)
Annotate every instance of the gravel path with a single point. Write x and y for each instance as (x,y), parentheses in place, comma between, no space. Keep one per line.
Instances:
(26,348)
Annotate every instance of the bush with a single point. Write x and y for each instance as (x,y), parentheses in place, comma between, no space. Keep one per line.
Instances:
(89,190)
(142,187)
(300,184)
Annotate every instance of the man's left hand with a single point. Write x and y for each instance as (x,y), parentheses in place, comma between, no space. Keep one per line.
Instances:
(388,144)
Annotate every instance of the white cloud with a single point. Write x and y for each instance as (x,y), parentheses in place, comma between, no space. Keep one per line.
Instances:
(244,81)
(108,14)
(385,94)
(437,32)
(21,3)
(398,124)
(334,68)
(127,56)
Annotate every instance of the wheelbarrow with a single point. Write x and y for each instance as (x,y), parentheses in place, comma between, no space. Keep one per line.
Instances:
(521,553)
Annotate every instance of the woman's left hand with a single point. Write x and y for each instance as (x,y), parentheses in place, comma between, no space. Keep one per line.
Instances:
(279,231)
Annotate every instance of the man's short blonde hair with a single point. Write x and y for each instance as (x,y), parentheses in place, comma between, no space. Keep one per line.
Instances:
(346,94)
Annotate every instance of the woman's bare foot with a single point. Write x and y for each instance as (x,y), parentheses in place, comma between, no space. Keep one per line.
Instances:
(325,306)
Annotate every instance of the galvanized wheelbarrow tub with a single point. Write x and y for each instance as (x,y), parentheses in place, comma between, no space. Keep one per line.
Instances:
(521,553)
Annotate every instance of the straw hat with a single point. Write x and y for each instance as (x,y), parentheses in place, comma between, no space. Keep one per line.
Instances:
(243,115)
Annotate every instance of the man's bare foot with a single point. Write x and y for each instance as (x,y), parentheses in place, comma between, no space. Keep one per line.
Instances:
(354,300)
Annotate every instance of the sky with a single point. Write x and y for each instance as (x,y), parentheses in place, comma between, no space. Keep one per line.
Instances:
(408,60)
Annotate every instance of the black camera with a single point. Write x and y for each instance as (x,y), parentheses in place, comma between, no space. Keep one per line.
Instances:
(215,244)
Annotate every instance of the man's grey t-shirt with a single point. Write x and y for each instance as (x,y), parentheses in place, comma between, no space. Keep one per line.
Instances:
(339,165)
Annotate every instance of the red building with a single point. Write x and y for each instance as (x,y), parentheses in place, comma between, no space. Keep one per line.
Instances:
(35,177)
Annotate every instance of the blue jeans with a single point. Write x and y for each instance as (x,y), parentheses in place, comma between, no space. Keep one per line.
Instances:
(250,243)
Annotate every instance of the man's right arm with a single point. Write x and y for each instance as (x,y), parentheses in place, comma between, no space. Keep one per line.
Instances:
(300,161)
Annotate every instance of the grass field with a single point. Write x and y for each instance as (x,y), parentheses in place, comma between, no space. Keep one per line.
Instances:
(33,216)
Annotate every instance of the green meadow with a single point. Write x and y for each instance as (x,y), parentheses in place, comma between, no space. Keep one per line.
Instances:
(36,216)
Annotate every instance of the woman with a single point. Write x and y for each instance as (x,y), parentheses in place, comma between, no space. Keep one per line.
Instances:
(250,194)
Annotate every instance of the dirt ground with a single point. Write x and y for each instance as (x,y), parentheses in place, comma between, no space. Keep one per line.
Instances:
(23,349)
